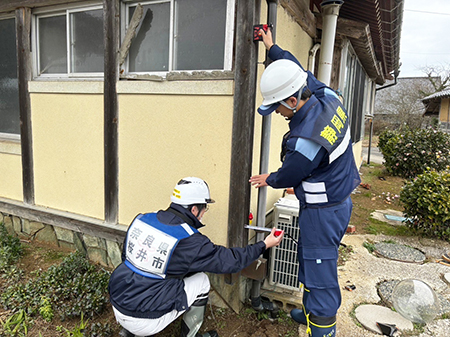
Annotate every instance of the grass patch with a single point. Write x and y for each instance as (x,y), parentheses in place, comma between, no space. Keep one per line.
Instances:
(379,227)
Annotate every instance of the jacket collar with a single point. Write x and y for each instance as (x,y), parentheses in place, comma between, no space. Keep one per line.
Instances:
(194,222)
(300,115)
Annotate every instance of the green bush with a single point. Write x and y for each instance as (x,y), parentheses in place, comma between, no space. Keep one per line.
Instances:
(10,249)
(427,201)
(410,152)
(70,289)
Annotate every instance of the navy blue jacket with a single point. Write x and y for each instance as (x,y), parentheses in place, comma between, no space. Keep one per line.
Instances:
(142,297)
(319,162)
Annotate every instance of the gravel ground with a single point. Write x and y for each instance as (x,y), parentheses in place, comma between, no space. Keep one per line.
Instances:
(366,271)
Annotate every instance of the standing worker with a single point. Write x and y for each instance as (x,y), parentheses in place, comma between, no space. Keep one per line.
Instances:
(164,259)
(318,163)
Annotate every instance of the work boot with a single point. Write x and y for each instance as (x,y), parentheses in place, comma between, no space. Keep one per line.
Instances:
(193,320)
(125,333)
(322,326)
(212,333)
(299,316)
(261,304)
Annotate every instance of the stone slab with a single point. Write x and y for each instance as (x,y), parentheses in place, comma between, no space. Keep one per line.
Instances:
(393,217)
(399,252)
(369,314)
(447,277)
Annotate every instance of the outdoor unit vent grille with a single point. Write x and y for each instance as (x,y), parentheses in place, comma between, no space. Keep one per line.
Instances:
(283,260)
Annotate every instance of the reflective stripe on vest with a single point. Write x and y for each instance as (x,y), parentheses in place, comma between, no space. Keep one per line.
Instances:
(317,192)
(341,148)
(150,244)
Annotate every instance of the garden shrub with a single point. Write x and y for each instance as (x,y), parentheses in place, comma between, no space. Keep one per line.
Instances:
(426,200)
(10,249)
(70,289)
(410,152)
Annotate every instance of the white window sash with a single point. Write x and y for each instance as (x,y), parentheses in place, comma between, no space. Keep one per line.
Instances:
(229,36)
(58,11)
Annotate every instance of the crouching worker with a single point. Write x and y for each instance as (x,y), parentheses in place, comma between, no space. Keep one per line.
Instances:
(164,259)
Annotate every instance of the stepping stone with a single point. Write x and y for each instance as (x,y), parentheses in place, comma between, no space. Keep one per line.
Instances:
(390,216)
(369,314)
(399,252)
(447,277)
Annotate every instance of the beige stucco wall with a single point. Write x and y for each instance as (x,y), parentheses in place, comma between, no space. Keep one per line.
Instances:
(357,153)
(67,126)
(289,36)
(11,172)
(163,138)
(444,112)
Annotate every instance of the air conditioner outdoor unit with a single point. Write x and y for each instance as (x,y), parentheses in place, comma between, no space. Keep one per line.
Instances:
(283,270)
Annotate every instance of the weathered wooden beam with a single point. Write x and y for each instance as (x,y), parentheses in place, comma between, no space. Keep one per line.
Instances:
(23,26)
(11,5)
(110,103)
(359,35)
(299,9)
(349,28)
(243,121)
(130,34)
(65,220)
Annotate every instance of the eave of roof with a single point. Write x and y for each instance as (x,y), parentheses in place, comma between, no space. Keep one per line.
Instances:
(437,96)
(384,18)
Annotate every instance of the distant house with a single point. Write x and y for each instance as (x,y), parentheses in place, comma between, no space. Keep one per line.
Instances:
(402,103)
(105,105)
(438,105)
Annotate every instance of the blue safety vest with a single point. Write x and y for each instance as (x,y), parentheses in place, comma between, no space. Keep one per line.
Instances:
(327,123)
(150,244)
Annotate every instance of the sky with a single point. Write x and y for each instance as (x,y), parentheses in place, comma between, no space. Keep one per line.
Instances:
(425,36)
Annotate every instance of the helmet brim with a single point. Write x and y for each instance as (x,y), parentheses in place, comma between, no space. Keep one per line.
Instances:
(265,110)
(210,201)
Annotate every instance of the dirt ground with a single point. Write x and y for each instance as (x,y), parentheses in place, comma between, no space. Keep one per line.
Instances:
(225,321)
(378,191)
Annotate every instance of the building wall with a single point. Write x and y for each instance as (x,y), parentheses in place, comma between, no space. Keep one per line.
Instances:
(67,127)
(444,112)
(11,172)
(165,137)
(357,153)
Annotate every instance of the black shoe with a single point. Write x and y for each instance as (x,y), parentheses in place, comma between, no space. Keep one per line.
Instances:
(125,333)
(212,333)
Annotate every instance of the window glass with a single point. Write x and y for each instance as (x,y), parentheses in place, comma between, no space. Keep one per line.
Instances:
(52,45)
(87,41)
(199,39)
(9,86)
(150,48)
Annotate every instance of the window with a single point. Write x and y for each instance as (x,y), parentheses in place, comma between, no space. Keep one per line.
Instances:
(9,85)
(176,35)
(354,94)
(70,43)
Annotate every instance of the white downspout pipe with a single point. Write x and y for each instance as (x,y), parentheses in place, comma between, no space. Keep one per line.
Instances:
(330,12)
(312,57)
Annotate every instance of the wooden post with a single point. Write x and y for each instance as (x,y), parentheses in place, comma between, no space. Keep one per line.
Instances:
(23,24)
(246,54)
(111,75)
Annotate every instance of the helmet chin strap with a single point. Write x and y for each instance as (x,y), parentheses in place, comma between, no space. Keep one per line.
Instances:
(294,109)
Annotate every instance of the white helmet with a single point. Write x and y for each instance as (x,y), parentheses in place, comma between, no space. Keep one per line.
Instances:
(281,80)
(190,191)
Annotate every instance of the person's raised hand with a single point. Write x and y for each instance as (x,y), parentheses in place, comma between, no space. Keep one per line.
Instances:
(267,38)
